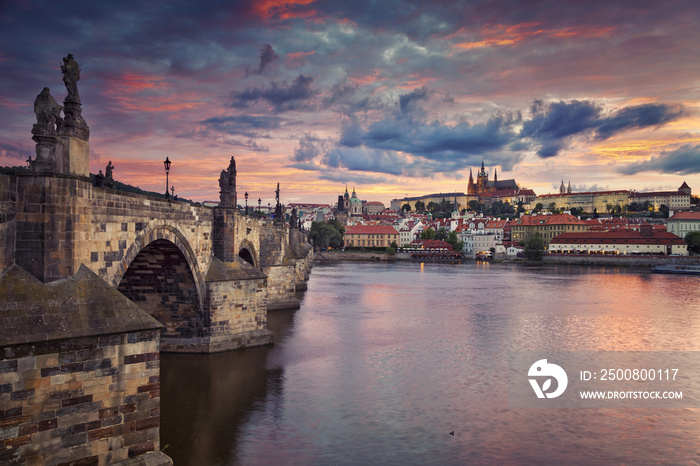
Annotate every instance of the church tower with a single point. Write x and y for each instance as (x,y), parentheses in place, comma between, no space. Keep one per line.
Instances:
(482,180)
(562,188)
(470,186)
(568,190)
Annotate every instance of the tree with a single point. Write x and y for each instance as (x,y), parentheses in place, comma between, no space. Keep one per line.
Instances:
(441,234)
(533,246)
(474,205)
(520,209)
(406,207)
(420,206)
(552,207)
(692,239)
(663,208)
(538,208)
(428,234)
(325,234)
(453,239)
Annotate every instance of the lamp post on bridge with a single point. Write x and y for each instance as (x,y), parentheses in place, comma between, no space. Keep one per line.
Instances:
(259,211)
(246,202)
(166,164)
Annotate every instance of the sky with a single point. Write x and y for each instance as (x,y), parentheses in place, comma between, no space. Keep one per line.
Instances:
(391,97)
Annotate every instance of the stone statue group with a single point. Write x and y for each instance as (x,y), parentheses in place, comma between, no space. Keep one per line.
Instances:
(50,125)
(47,110)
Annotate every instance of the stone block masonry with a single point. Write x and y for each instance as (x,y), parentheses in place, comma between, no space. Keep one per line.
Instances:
(157,252)
(79,374)
(8,224)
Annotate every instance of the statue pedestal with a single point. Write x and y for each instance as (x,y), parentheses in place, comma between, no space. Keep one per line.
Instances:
(74,158)
(46,149)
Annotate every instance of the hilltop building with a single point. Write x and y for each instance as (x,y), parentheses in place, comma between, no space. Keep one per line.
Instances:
(589,202)
(350,204)
(674,200)
(484,185)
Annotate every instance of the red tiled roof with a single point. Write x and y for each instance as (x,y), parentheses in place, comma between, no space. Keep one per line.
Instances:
(432,244)
(658,193)
(622,191)
(686,216)
(555,219)
(617,237)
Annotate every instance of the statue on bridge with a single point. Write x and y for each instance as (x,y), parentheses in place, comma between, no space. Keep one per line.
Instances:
(294,220)
(109,178)
(279,217)
(71,76)
(73,124)
(227,184)
(48,113)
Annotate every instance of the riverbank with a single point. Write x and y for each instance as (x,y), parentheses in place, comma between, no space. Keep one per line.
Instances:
(619,261)
(339,256)
(622,261)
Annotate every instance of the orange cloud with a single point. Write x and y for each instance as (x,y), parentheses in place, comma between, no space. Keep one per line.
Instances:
(266,9)
(296,59)
(147,94)
(501,35)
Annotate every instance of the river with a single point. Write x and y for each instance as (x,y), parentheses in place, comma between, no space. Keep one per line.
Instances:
(407,363)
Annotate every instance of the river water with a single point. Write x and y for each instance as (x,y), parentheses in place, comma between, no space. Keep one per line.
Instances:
(407,363)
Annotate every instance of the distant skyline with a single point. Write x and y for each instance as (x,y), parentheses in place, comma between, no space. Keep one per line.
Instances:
(393,98)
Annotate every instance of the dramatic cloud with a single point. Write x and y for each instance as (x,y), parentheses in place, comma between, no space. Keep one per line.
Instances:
(244,125)
(552,126)
(310,148)
(432,140)
(642,116)
(267,57)
(409,102)
(684,160)
(279,97)
(379,91)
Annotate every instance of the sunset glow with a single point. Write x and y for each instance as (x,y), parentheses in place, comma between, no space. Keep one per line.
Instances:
(392,98)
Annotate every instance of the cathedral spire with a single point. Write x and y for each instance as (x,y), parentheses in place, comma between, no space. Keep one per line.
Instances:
(495,175)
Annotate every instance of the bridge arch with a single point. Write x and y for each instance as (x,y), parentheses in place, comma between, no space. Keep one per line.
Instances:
(246,251)
(161,273)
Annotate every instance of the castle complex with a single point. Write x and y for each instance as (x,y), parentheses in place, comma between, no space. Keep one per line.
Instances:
(484,185)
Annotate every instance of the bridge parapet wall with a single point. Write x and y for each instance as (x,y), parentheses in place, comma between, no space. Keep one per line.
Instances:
(8,223)
(122,224)
(52,224)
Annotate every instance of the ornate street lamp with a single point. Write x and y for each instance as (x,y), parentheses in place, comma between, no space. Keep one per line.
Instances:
(246,202)
(259,201)
(166,164)
(29,162)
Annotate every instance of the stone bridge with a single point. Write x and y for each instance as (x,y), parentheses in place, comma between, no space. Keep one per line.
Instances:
(209,275)
(95,282)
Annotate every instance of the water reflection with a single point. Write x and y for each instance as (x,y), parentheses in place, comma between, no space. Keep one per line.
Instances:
(382,361)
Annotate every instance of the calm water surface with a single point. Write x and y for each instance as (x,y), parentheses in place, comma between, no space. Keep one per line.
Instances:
(383,361)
